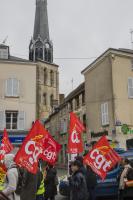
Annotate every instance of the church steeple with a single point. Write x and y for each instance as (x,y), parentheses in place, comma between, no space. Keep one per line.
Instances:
(41,48)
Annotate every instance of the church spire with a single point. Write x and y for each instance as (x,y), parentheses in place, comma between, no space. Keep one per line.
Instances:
(40,46)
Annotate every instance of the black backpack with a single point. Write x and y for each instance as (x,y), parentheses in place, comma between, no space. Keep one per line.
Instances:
(130,174)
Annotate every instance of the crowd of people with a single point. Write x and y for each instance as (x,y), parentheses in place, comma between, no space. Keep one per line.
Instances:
(83,180)
(21,184)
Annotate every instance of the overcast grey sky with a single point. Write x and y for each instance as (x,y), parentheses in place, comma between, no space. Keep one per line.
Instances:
(78,29)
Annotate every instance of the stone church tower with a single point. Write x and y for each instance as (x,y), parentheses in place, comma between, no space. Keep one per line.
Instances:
(41,52)
(40,46)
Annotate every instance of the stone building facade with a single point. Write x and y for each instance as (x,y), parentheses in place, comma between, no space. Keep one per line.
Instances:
(17,95)
(41,52)
(47,89)
(109,97)
(58,122)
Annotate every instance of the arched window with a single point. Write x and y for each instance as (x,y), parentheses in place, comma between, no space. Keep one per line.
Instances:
(41,54)
(45,99)
(45,76)
(52,78)
(49,55)
(51,100)
(46,54)
(36,53)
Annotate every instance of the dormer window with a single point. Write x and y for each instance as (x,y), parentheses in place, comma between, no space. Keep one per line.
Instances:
(4,52)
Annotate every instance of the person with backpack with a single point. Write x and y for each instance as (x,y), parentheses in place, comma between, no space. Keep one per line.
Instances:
(11,180)
(77,182)
(126,167)
(50,182)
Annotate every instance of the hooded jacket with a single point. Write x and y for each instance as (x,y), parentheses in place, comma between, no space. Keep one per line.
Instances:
(11,178)
(78,186)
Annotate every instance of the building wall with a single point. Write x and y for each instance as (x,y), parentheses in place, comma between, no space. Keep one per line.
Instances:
(98,89)
(44,87)
(107,81)
(26,74)
(121,68)
(58,124)
(123,105)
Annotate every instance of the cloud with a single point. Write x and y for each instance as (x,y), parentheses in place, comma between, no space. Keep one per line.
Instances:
(78,28)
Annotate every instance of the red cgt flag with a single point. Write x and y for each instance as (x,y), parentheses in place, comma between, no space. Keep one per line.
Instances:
(75,144)
(51,149)
(6,146)
(32,148)
(102,158)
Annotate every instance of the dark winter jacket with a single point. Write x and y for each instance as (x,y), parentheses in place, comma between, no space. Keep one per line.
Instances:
(78,186)
(49,182)
(29,189)
(91,178)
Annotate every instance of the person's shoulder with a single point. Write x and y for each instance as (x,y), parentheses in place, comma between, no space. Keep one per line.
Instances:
(12,171)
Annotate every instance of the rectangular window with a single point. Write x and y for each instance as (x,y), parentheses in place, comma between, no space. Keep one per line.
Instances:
(83,98)
(132,64)
(77,102)
(130,87)
(12,87)
(104,114)
(15,120)
(11,120)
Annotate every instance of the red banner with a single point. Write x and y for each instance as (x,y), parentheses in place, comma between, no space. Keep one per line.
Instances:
(6,146)
(75,144)
(51,149)
(38,144)
(102,158)
(32,148)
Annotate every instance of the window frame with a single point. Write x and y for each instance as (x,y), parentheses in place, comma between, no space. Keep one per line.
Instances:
(105,114)
(129,94)
(11,123)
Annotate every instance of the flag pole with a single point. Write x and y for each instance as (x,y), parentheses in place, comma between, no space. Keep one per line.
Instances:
(68,174)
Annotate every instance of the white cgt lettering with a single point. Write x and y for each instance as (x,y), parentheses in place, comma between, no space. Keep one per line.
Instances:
(99,160)
(49,155)
(75,137)
(35,153)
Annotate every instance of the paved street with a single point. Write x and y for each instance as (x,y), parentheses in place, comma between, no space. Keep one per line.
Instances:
(59,197)
(63,198)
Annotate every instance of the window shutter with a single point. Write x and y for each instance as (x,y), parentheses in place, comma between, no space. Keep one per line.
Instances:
(130,87)
(102,114)
(21,120)
(106,113)
(2,120)
(9,87)
(15,87)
